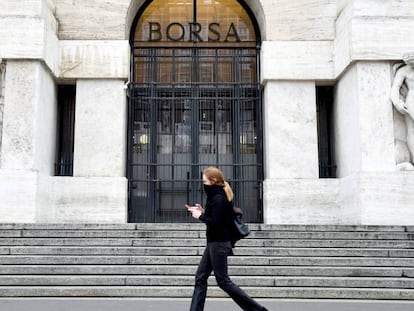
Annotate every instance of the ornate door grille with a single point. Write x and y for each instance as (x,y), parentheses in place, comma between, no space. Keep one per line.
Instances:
(206,112)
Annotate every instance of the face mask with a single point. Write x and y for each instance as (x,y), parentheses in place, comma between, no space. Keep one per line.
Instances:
(207,188)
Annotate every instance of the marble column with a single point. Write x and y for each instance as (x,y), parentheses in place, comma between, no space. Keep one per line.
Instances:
(371,190)
(100,128)
(364,139)
(28,140)
(291,143)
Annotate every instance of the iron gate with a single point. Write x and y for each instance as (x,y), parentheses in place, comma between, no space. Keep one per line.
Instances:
(178,127)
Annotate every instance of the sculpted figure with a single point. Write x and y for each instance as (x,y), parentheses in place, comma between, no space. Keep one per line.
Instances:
(2,78)
(402,97)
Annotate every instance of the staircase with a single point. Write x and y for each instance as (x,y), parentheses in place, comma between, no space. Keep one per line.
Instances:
(160,260)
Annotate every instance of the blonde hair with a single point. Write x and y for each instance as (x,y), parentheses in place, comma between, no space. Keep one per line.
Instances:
(215,176)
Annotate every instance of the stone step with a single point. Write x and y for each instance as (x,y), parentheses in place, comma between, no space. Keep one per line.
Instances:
(200,242)
(195,234)
(201,227)
(190,270)
(160,260)
(186,291)
(156,280)
(324,252)
(102,250)
(188,251)
(194,260)
(180,304)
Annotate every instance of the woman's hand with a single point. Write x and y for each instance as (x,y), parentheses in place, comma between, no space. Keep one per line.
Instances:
(196,214)
(196,210)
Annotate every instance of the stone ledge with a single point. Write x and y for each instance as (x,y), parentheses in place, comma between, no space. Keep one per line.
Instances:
(297,60)
(17,32)
(371,38)
(94,59)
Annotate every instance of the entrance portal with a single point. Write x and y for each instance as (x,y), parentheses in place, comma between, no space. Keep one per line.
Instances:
(194,102)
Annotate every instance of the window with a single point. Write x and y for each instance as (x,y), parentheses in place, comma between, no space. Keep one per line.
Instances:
(65,130)
(324,106)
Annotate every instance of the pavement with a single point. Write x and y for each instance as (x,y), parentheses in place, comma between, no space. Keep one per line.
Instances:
(177,304)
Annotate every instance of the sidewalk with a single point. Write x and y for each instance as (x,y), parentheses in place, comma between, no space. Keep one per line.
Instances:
(142,304)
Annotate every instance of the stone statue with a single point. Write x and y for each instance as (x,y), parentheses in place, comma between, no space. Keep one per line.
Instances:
(402,97)
(2,81)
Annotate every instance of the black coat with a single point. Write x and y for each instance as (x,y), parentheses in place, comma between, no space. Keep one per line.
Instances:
(218,215)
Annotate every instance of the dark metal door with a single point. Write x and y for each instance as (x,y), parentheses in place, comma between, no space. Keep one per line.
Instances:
(177,130)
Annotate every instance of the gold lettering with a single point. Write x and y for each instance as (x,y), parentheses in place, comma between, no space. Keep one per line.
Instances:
(232,33)
(214,28)
(195,29)
(177,32)
(181,29)
(154,29)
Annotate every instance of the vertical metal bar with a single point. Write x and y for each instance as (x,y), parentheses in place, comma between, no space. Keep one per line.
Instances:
(195,11)
(152,156)
(259,150)
(216,104)
(237,123)
(129,166)
(188,188)
(173,135)
(195,136)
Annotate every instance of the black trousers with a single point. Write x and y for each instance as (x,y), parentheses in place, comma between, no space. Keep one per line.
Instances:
(215,259)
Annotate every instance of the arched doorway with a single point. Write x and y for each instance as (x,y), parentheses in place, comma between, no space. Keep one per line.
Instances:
(194,101)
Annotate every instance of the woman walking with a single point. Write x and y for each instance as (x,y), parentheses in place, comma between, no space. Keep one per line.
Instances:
(218,216)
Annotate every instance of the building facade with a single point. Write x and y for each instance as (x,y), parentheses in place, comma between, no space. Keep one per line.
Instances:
(110,110)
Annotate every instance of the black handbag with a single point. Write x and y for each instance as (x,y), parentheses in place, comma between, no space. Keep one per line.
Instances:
(241,229)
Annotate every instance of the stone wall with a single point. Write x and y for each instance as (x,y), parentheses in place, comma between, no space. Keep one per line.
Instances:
(92,19)
(369,35)
(36,61)
(28,31)
(347,43)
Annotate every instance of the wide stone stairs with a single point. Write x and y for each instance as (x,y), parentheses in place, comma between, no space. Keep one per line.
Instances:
(160,260)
